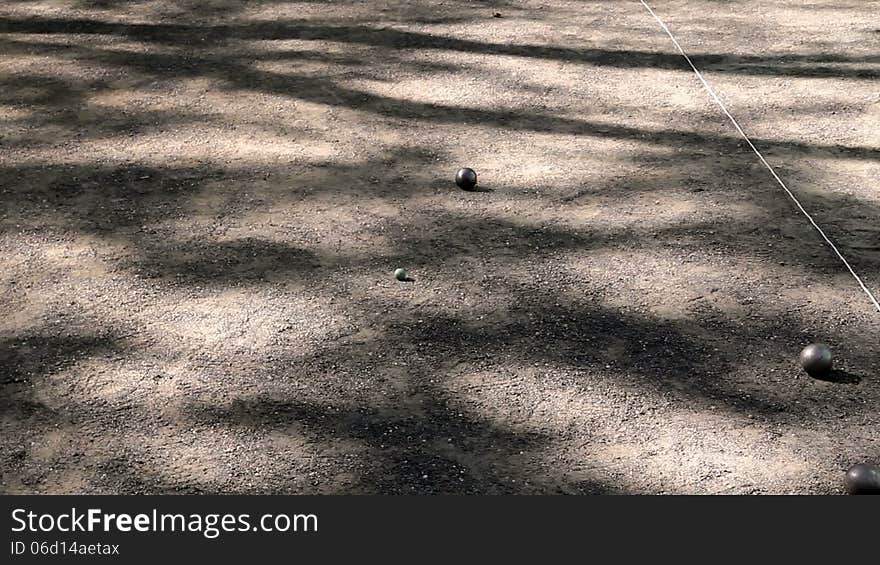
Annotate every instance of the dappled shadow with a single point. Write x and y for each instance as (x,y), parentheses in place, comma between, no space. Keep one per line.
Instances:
(207,262)
(26,358)
(171,223)
(60,109)
(26,362)
(426,447)
(98,199)
(242,76)
(130,203)
(707,358)
(814,65)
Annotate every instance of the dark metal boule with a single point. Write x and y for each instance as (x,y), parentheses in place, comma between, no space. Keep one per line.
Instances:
(466,179)
(863,479)
(816,359)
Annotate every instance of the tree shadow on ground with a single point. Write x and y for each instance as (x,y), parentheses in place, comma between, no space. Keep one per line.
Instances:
(813,65)
(113,201)
(706,358)
(23,359)
(240,75)
(219,263)
(428,447)
(26,361)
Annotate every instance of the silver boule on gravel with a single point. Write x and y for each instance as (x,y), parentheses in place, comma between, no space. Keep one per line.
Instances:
(400,274)
(863,479)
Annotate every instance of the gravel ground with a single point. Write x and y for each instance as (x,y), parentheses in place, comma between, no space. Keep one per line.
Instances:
(203,203)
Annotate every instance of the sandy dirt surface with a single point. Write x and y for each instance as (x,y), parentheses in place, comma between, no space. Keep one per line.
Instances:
(202,204)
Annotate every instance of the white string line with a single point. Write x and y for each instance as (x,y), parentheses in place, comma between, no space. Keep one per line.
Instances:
(761,157)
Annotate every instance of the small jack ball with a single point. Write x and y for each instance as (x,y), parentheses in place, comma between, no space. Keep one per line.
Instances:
(863,479)
(466,178)
(816,359)
(400,274)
